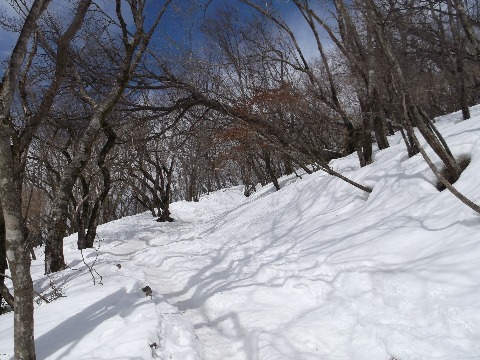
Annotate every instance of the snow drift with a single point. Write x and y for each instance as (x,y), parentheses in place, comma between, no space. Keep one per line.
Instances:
(317,270)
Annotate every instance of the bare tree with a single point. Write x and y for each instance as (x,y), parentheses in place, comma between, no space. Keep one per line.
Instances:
(413,114)
(93,197)
(149,175)
(134,47)
(17,252)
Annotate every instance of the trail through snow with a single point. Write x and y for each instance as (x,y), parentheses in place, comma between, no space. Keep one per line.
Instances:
(318,270)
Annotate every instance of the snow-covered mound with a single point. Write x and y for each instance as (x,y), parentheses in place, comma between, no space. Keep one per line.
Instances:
(317,270)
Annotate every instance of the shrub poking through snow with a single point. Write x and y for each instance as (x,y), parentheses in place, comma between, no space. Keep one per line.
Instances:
(147,290)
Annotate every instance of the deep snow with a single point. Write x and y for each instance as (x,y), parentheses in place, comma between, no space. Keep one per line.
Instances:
(317,270)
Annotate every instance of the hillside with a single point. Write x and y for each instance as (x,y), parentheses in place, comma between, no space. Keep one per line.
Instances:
(317,270)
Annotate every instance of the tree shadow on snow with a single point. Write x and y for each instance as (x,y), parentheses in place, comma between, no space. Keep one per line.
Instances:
(235,263)
(70,332)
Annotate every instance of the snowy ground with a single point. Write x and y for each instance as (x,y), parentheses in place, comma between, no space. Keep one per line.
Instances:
(318,270)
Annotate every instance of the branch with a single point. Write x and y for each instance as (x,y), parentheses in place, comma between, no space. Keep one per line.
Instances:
(7,296)
(442,179)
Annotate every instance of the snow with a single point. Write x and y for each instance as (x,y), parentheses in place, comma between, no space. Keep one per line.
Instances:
(317,270)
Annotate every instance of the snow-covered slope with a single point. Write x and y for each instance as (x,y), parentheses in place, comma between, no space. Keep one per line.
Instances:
(318,270)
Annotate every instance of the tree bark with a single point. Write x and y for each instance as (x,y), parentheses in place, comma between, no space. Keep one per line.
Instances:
(462,87)
(54,259)
(379,122)
(3,250)
(367,143)
(270,169)
(17,253)
(467,26)
(107,184)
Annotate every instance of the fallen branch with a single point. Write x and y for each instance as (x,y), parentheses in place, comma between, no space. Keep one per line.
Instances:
(442,179)
(9,298)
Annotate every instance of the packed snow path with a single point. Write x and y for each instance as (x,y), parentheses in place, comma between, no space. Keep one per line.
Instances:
(318,270)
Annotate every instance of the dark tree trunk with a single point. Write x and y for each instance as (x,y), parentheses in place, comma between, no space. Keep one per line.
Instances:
(270,170)
(92,228)
(379,122)
(256,170)
(287,163)
(412,149)
(107,185)
(380,132)
(165,216)
(462,88)
(440,148)
(82,215)
(54,259)
(358,147)
(367,143)
(350,145)
(165,189)
(81,235)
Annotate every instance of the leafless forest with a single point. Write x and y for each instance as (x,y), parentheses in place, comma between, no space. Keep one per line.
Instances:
(104,113)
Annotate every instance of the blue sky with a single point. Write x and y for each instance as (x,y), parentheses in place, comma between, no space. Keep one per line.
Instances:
(175,25)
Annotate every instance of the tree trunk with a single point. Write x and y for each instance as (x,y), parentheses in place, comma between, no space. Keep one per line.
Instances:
(462,88)
(81,235)
(107,184)
(54,259)
(350,144)
(467,26)
(439,146)
(411,147)
(445,182)
(17,253)
(92,227)
(379,121)
(366,139)
(412,112)
(380,132)
(3,250)
(270,170)
(82,211)
(166,192)
(287,163)
(358,146)
(165,215)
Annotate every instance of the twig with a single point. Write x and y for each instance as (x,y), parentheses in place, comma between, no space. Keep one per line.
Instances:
(41,297)
(91,268)
(6,276)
